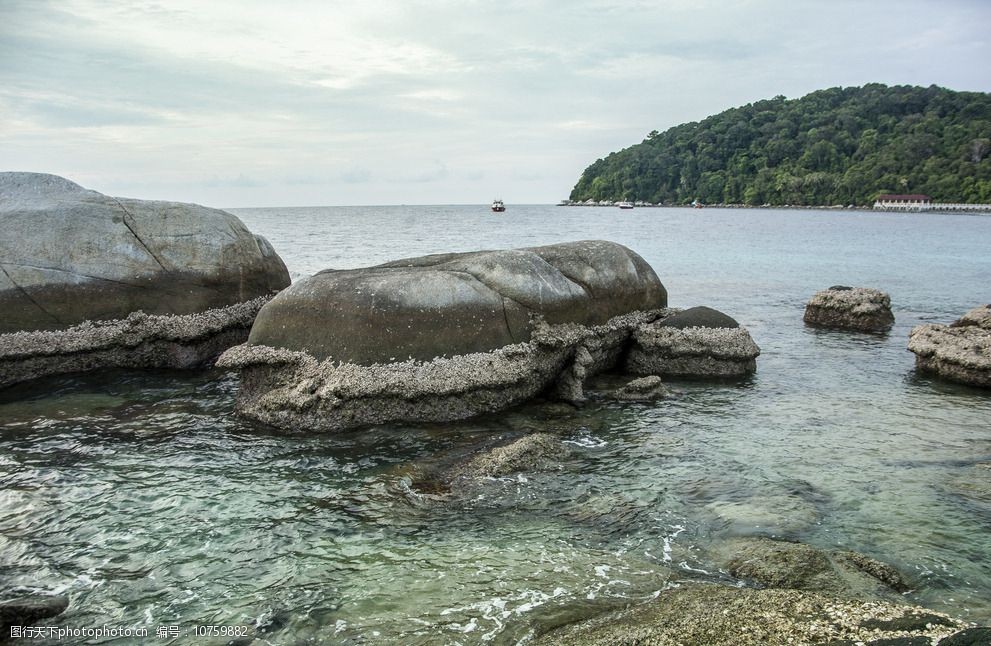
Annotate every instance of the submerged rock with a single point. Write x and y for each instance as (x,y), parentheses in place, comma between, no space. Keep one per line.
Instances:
(958,352)
(25,611)
(697,342)
(70,255)
(850,308)
(719,615)
(532,452)
(784,564)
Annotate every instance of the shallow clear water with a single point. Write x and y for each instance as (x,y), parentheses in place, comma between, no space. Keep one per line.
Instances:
(149,503)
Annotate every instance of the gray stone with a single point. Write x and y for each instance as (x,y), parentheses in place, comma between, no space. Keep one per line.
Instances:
(70,255)
(455,304)
(959,352)
(684,350)
(850,308)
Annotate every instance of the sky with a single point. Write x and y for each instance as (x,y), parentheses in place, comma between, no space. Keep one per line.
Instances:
(243,103)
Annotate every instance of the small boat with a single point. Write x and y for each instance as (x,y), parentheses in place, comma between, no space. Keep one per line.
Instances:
(696,204)
(625,205)
(498,206)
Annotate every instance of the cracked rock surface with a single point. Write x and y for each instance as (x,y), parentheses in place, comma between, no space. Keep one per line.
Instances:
(958,352)
(70,255)
(850,308)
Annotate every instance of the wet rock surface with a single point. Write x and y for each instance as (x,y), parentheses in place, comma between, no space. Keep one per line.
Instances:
(138,341)
(959,352)
(850,308)
(698,342)
(70,255)
(718,615)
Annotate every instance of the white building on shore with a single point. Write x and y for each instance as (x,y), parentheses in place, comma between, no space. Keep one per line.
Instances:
(903,203)
(922,203)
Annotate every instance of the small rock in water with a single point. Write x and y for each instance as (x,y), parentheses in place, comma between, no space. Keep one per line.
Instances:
(850,308)
(642,390)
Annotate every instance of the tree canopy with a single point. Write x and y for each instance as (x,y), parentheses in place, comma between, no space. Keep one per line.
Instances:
(834,146)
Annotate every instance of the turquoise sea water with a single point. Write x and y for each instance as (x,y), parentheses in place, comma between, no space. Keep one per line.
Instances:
(149,503)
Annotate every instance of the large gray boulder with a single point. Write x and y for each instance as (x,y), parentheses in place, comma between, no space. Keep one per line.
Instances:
(454,304)
(443,337)
(958,352)
(68,255)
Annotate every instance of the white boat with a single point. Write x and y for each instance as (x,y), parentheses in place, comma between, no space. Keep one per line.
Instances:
(498,206)
(625,205)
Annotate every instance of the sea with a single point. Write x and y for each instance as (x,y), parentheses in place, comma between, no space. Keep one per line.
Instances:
(146,500)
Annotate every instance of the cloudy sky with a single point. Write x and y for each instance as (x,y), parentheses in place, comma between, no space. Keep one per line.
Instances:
(242,103)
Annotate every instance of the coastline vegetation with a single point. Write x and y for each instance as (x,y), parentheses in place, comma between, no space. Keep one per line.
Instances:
(838,146)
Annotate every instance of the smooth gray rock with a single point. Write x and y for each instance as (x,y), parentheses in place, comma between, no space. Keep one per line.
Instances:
(959,352)
(455,304)
(68,255)
(850,308)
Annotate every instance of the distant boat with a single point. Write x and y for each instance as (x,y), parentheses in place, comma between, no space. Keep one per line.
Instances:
(498,206)
(625,205)
(696,204)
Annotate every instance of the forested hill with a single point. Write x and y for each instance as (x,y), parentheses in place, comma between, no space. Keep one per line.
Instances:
(836,146)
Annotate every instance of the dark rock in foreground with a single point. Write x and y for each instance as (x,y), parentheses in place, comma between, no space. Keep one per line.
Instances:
(850,308)
(697,342)
(718,615)
(958,352)
(28,610)
(138,341)
(69,255)
(323,354)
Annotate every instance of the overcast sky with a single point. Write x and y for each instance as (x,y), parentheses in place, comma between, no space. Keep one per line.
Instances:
(424,102)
